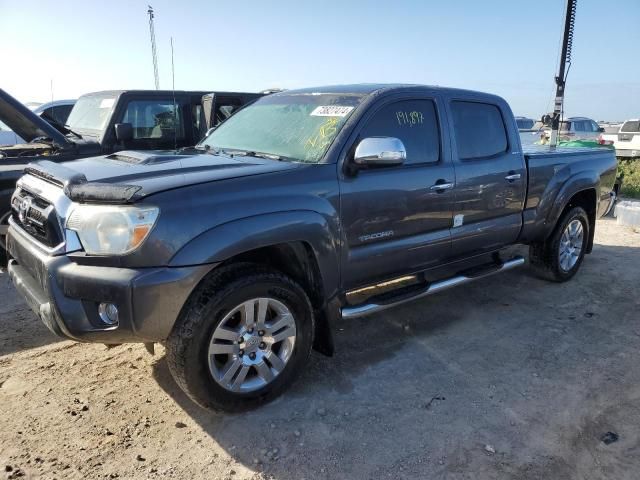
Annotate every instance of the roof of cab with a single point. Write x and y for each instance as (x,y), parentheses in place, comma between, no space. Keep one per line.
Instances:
(371,88)
(116,93)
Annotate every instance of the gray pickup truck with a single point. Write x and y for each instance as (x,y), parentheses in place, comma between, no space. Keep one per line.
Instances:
(303,208)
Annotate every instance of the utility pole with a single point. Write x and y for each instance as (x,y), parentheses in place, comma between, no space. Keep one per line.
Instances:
(153,46)
(561,79)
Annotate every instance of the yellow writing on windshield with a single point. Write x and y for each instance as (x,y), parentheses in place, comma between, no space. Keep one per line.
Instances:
(324,136)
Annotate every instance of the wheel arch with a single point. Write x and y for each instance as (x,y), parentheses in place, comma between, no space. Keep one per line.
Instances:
(299,244)
(574,196)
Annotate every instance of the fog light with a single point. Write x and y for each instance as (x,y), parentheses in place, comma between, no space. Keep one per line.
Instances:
(108,313)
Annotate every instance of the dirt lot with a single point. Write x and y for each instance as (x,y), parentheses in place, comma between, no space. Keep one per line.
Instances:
(510,377)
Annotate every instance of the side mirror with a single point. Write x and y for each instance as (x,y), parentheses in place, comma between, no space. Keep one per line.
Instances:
(601,129)
(380,151)
(124,131)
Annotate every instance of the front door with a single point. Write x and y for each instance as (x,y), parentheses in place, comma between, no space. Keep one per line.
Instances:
(491,178)
(394,219)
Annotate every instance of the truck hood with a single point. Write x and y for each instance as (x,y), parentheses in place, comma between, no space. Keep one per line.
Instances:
(25,123)
(127,176)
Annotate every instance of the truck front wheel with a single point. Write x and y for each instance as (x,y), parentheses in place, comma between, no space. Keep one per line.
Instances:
(560,256)
(242,338)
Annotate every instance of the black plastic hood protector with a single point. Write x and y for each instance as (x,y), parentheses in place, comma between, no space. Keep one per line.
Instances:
(26,123)
(77,188)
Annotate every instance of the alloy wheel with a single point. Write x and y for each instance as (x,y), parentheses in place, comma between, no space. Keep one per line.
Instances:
(252,344)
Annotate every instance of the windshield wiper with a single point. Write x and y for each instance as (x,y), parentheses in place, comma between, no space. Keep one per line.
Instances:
(71,131)
(250,153)
(200,149)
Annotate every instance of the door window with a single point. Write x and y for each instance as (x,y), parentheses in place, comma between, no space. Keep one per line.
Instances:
(580,126)
(414,122)
(225,107)
(156,120)
(479,129)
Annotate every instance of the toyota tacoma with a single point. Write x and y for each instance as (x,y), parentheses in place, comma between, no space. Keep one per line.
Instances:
(304,208)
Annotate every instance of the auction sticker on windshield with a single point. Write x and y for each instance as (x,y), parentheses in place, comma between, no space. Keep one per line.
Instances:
(331,111)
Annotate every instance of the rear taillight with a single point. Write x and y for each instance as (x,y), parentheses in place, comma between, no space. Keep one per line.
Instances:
(602,141)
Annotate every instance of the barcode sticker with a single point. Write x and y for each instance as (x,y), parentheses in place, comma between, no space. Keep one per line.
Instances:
(331,111)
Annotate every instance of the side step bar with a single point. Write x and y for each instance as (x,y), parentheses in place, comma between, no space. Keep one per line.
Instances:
(369,308)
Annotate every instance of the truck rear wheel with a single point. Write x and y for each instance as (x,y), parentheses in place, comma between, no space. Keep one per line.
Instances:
(242,338)
(560,256)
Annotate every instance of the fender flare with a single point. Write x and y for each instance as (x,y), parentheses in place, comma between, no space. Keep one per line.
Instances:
(250,233)
(573,185)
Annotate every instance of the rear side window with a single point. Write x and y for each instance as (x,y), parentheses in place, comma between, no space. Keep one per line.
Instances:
(414,122)
(631,126)
(479,129)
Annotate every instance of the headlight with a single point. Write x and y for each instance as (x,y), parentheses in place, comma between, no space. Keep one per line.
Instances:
(111,230)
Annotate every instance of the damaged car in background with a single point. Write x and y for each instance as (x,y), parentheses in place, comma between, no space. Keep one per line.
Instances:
(104,122)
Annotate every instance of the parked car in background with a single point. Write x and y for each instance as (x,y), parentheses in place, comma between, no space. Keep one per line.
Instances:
(610,127)
(627,140)
(240,253)
(8,136)
(525,124)
(573,128)
(56,113)
(107,122)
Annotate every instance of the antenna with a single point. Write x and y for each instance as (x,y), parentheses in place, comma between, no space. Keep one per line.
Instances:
(51,88)
(561,79)
(175,110)
(153,46)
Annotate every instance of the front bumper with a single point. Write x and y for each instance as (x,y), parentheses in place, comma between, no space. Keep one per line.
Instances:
(65,295)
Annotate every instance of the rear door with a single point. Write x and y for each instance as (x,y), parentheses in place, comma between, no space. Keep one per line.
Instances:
(394,220)
(490,176)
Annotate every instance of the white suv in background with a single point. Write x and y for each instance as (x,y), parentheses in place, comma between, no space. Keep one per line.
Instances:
(627,140)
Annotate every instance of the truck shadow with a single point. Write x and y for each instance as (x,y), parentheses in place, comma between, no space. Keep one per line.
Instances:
(20,328)
(414,373)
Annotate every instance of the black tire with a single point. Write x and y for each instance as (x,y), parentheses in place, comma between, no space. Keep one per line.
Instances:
(219,293)
(544,257)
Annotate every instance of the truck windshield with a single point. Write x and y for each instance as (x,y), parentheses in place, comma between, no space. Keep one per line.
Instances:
(91,113)
(298,127)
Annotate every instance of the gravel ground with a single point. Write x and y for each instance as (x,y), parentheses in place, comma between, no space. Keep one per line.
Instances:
(510,378)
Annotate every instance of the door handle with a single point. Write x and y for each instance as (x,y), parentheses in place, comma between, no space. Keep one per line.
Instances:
(513,176)
(441,186)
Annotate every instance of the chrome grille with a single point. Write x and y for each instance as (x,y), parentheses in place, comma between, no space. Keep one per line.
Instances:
(37,217)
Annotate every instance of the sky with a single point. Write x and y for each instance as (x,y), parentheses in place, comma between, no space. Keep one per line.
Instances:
(506,47)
